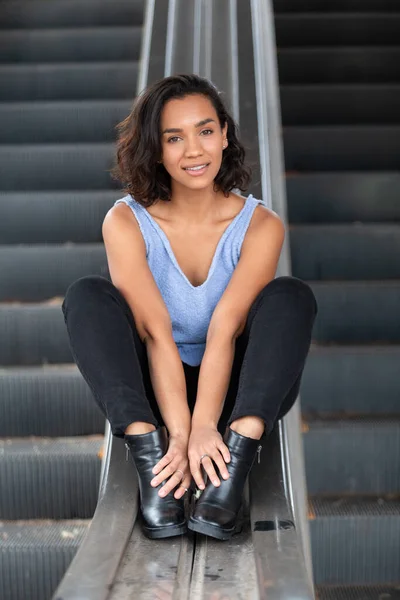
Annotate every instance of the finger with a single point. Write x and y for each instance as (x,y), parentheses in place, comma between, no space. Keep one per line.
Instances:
(196,473)
(219,461)
(167,472)
(162,463)
(181,491)
(225,452)
(209,469)
(172,482)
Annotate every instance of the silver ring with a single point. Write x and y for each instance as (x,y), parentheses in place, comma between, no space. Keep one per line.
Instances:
(180,471)
(185,488)
(204,455)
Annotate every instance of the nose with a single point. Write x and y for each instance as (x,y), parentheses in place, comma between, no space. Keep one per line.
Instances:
(193,147)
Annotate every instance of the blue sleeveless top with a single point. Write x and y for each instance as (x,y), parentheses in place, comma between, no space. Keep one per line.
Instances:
(191,307)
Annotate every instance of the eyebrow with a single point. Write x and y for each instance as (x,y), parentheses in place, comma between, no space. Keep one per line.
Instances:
(199,124)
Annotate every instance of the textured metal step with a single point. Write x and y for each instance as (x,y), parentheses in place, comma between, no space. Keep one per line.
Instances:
(71,13)
(80,44)
(47,401)
(34,556)
(335,5)
(348,380)
(49,478)
(358,592)
(68,81)
(357,312)
(342,148)
(340,104)
(57,167)
(35,273)
(355,540)
(340,197)
(62,122)
(358,456)
(33,334)
(76,216)
(366,64)
(343,29)
(355,251)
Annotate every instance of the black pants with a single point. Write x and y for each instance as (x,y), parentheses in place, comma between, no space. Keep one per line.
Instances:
(269,355)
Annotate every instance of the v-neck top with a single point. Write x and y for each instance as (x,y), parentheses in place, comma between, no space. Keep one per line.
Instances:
(191,307)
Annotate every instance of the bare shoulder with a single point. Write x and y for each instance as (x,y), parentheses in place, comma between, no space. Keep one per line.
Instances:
(121,227)
(265,226)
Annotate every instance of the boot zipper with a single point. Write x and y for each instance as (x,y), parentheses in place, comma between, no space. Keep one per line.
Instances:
(259,452)
(127,452)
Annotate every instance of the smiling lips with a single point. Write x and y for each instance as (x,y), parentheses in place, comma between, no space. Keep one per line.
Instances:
(197,170)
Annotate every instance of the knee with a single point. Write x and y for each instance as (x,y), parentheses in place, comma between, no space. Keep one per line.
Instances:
(293,287)
(84,288)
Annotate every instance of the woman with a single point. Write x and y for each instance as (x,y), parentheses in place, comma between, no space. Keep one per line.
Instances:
(194,350)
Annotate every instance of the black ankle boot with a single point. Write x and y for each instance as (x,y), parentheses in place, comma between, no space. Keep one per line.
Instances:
(161,517)
(216,510)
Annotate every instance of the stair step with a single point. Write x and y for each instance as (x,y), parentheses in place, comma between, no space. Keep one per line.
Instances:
(61,122)
(347,251)
(342,148)
(79,44)
(47,401)
(68,81)
(349,380)
(355,540)
(33,334)
(56,167)
(71,13)
(49,478)
(357,312)
(342,29)
(335,5)
(35,273)
(35,556)
(76,216)
(358,455)
(362,64)
(337,197)
(340,104)
(358,592)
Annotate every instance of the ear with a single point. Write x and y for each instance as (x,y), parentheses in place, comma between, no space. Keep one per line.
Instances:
(225,130)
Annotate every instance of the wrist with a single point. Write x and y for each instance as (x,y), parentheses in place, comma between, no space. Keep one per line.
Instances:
(198,423)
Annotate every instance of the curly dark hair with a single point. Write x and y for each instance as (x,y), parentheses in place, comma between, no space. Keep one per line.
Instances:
(139,142)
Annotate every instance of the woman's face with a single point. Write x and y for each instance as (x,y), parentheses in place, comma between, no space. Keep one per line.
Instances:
(191,136)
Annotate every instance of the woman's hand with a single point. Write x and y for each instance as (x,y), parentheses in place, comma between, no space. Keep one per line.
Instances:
(175,458)
(205,439)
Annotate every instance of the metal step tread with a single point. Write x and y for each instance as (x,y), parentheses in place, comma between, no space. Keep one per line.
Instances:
(353,506)
(358,592)
(64,66)
(42,533)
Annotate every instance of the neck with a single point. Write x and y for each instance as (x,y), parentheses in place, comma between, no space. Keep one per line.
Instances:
(194,207)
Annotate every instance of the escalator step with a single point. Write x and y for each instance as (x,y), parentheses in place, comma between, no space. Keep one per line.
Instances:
(353,251)
(340,197)
(49,478)
(345,29)
(35,273)
(35,555)
(70,13)
(61,122)
(68,81)
(33,334)
(70,45)
(340,104)
(355,540)
(366,64)
(75,216)
(342,148)
(358,455)
(56,167)
(358,592)
(47,401)
(356,312)
(349,380)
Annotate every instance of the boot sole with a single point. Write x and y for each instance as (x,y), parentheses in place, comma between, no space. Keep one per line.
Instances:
(211,530)
(164,532)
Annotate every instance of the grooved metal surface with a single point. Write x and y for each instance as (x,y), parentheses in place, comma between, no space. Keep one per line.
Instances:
(47,401)
(49,478)
(358,592)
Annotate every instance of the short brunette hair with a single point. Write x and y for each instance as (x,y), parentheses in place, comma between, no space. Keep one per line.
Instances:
(139,142)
